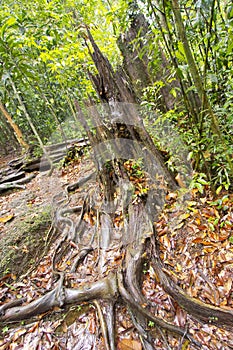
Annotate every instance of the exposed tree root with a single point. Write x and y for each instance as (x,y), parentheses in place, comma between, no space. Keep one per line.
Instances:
(106,317)
(81,182)
(123,284)
(89,226)
(16,184)
(198,309)
(105,288)
(140,323)
(129,299)
(10,186)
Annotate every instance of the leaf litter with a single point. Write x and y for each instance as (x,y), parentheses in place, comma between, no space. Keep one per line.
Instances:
(196,245)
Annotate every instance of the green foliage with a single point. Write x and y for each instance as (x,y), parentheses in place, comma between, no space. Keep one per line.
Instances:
(43,50)
(209,30)
(221,203)
(199,182)
(72,155)
(5,329)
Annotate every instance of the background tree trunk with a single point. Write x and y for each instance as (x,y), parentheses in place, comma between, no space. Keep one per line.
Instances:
(14,126)
(22,105)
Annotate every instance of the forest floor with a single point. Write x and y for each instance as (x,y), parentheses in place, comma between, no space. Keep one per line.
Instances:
(196,245)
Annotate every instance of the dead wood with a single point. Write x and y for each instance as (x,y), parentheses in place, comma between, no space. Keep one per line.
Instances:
(105,289)
(117,138)
(17,168)
(12,177)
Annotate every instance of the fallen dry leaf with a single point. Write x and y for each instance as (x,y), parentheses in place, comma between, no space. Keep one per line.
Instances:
(128,344)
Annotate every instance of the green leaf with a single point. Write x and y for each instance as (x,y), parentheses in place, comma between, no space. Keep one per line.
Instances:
(199,187)
(219,189)
(173,92)
(216,221)
(180,53)
(203,182)
(5,329)
(9,23)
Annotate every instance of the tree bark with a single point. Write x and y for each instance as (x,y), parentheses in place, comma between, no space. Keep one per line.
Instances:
(30,121)
(16,129)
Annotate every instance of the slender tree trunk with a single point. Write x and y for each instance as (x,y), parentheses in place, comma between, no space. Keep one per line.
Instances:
(17,131)
(8,140)
(193,67)
(24,109)
(191,100)
(197,79)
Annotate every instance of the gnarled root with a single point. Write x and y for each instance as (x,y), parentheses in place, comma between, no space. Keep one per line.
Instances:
(198,309)
(134,305)
(105,288)
(122,284)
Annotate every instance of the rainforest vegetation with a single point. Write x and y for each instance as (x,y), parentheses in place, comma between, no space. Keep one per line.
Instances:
(116,174)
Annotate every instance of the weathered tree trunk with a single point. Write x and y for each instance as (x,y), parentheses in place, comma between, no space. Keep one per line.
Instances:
(137,63)
(134,63)
(121,122)
(118,140)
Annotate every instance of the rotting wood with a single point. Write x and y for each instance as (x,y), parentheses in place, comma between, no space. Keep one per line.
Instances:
(123,283)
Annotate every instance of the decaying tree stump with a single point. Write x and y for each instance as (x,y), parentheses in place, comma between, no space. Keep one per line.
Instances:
(130,182)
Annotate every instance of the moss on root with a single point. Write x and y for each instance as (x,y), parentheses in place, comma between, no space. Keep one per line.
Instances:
(24,242)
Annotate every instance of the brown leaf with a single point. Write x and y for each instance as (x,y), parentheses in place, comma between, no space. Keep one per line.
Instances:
(180,180)
(128,344)
(166,242)
(228,285)
(197,240)
(19,333)
(171,195)
(205,243)
(34,327)
(180,318)
(64,327)
(92,326)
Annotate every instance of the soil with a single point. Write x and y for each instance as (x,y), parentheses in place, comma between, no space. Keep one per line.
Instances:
(25,219)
